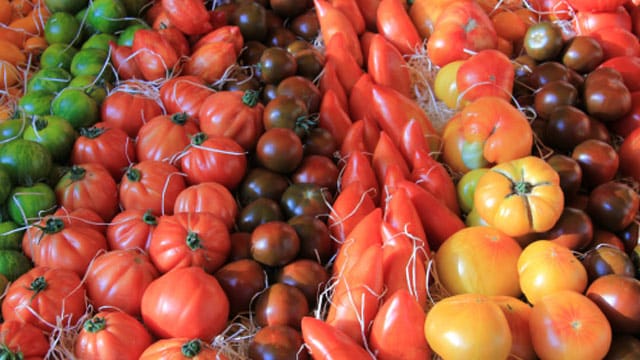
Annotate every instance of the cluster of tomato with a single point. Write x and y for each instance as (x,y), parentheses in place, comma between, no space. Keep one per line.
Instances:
(211,180)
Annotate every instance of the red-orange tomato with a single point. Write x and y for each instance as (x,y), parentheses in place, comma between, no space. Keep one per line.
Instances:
(56,243)
(595,5)
(326,342)
(185,302)
(43,296)
(111,334)
(181,348)
(487,73)
(586,22)
(629,67)
(118,278)
(225,33)
(209,197)
(233,114)
(386,65)
(211,61)
(629,153)
(128,108)
(24,338)
(333,21)
(617,41)
(189,16)
(517,313)
(546,267)
(462,26)
(123,61)
(190,239)
(151,185)
(164,137)
(567,325)
(106,145)
(155,55)
(89,186)
(394,23)
(131,229)
(185,94)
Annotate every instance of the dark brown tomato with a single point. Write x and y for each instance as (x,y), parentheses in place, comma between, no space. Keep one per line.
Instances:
(553,95)
(315,242)
(599,130)
(276,64)
(288,8)
(305,199)
(275,243)
(303,88)
(618,298)
(251,18)
(604,260)
(240,246)
(279,150)
(630,236)
(280,37)
(241,281)
(241,81)
(269,92)
(582,54)
(274,21)
(599,161)
(277,342)
(566,127)
(257,212)
(605,95)
(546,72)
(306,25)
(287,112)
(570,173)
(623,347)
(281,304)
(635,258)
(601,236)
(260,182)
(310,63)
(613,205)
(320,141)
(307,275)
(543,41)
(574,229)
(319,170)
(252,52)
(299,45)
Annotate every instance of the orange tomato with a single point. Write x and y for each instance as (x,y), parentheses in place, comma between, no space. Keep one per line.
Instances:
(546,267)
(517,313)
(5,12)
(11,53)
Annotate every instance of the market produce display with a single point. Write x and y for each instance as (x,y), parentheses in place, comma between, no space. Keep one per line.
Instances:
(319,179)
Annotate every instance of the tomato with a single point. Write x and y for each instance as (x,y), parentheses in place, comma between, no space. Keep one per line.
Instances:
(277,341)
(26,161)
(446,86)
(123,61)
(628,66)
(13,264)
(451,335)
(96,87)
(164,137)
(613,205)
(131,229)
(274,243)
(106,16)
(582,54)
(108,333)
(29,203)
(617,41)
(225,33)
(586,22)
(308,275)
(181,348)
(546,267)
(151,185)
(115,109)
(543,41)
(595,5)
(118,279)
(46,298)
(89,186)
(394,23)
(574,229)
(280,304)
(517,313)
(184,94)
(185,302)
(333,21)
(190,17)
(386,65)
(615,295)
(155,55)
(21,339)
(462,26)
(598,161)
(211,61)
(566,324)
(319,170)
(75,106)
(234,114)
(602,260)
(279,150)
(598,94)
(464,261)
(91,61)
(487,73)
(520,196)
(466,188)
(327,342)
(208,197)
(629,154)
(109,146)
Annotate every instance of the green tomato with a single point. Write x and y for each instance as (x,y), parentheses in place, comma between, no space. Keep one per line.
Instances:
(86,29)
(36,103)
(5,186)
(29,203)
(26,161)
(13,264)
(55,133)
(97,88)
(12,129)
(91,61)
(99,41)
(125,38)
(70,6)
(107,16)
(75,106)
(49,79)
(57,56)
(10,235)
(61,28)
(466,188)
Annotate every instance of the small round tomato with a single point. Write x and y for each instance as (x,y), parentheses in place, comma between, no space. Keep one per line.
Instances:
(279,150)
(275,243)
(616,296)
(613,205)
(466,188)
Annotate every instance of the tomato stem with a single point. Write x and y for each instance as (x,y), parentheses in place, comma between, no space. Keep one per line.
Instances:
(193,241)
(77,173)
(306,122)
(191,348)
(40,124)
(38,284)
(522,188)
(198,138)
(179,118)
(149,218)
(250,97)
(133,175)
(53,225)
(7,354)
(95,324)
(92,132)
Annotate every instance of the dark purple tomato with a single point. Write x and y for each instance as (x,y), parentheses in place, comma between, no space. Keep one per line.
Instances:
(281,304)
(275,243)
(241,281)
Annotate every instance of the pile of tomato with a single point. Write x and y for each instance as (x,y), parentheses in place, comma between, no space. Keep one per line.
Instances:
(325,179)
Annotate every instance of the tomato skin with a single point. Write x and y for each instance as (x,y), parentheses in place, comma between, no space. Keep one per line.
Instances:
(517,313)
(233,114)
(225,33)
(185,302)
(106,145)
(211,61)
(629,154)
(616,42)
(151,185)
(586,22)
(181,348)
(164,137)
(189,239)
(539,201)
(333,21)
(89,186)
(50,293)
(394,23)
(462,25)
(214,159)
(567,324)
(185,94)
(487,73)
(616,296)
(326,342)
(112,333)
(190,17)
(115,110)
(208,197)
(155,55)
(30,341)
(123,62)
(595,5)
(386,65)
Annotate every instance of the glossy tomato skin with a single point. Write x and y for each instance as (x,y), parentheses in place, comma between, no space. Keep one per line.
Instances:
(181,348)
(277,341)
(241,280)
(629,155)
(107,145)
(115,110)
(184,94)
(210,197)
(30,341)
(613,205)
(131,229)
(164,137)
(616,296)
(280,150)
(186,302)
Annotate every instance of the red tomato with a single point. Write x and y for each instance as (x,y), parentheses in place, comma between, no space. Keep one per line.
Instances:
(24,338)
(122,58)
(106,145)
(326,342)
(189,16)
(56,243)
(567,324)
(211,61)
(462,26)
(596,5)
(190,239)
(350,206)
(118,279)
(89,186)
(434,177)
(111,333)
(333,21)
(185,302)
(629,67)
(155,55)
(226,33)
(616,42)
(208,197)
(151,185)
(164,137)
(131,229)
(185,94)
(617,295)
(116,110)
(46,298)
(181,348)
(487,73)
(629,154)
(394,23)
(233,114)
(387,67)
(587,22)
